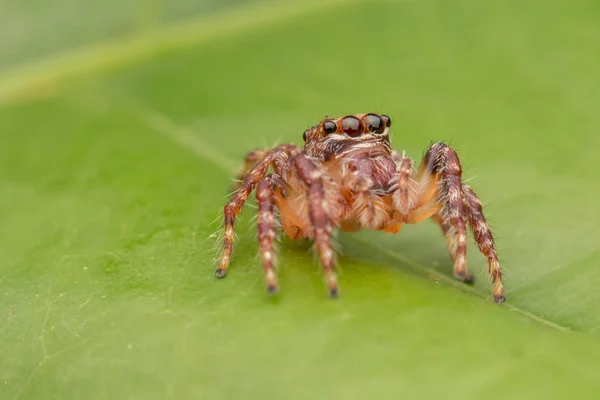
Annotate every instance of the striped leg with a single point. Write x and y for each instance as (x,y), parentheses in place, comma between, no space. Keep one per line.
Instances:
(234,206)
(251,158)
(448,234)
(266,229)
(450,239)
(320,221)
(443,160)
(485,240)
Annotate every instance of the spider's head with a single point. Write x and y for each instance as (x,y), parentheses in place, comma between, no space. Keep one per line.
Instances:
(338,137)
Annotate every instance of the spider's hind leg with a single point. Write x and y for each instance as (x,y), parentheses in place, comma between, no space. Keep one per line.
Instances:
(485,240)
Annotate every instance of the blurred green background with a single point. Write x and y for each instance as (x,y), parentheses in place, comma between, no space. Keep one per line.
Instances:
(122,123)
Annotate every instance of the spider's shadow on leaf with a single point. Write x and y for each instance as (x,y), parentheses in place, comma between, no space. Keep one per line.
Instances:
(377,251)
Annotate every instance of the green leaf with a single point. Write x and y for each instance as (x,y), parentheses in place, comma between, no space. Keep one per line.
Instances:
(115,161)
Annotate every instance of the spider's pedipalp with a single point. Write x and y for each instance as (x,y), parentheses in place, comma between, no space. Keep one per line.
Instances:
(369,208)
(405,194)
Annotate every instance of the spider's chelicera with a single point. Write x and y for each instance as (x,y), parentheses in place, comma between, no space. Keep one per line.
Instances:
(348,177)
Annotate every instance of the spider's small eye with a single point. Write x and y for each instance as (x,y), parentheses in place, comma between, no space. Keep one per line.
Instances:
(305,135)
(387,120)
(329,126)
(352,126)
(374,123)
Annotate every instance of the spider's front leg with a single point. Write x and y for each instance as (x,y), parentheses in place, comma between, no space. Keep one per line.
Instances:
(460,204)
(234,206)
(266,222)
(320,221)
(251,158)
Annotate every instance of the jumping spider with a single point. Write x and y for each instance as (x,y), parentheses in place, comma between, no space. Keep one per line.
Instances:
(347,176)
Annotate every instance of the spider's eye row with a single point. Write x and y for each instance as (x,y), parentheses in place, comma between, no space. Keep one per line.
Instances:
(387,120)
(305,135)
(352,126)
(374,123)
(329,126)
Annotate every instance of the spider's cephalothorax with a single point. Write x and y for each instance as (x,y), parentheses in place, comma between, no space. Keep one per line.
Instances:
(347,176)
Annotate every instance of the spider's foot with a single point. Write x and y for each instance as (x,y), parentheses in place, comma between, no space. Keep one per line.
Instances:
(272,285)
(332,283)
(334,292)
(220,273)
(465,277)
(273,289)
(499,298)
(469,279)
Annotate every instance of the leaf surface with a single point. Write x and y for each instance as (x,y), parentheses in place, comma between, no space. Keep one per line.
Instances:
(111,182)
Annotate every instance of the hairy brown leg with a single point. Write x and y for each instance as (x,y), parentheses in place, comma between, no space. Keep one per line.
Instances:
(317,212)
(450,240)
(234,206)
(443,160)
(448,234)
(252,157)
(265,194)
(485,240)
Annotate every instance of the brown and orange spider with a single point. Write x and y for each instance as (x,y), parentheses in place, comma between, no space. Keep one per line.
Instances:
(347,176)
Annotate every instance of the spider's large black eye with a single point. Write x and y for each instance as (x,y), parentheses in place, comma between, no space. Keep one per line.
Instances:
(305,135)
(387,120)
(374,123)
(329,126)
(352,126)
